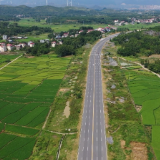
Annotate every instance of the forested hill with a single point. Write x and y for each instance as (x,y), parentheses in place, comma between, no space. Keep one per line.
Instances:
(45,11)
(63,14)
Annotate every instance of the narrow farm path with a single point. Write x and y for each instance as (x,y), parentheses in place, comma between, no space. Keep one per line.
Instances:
(61,133)
(10,62)
(46,119)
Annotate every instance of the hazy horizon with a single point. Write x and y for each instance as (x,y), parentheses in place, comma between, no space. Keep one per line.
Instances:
(82,2)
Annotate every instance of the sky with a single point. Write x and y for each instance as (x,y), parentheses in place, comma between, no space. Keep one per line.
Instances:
(83,2)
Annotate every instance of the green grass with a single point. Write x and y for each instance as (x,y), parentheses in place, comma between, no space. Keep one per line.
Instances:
(23,152)
(156,140)
(17,145)
(21,130)
(46,146)
(34,38)
(9,109)
(27,90)
(65,27)
(14,117)
(56,28)
(5,139)
(145,90)
(139,26)
(6,58)
(124,121)
(39,119)
(30,116)
(1,126)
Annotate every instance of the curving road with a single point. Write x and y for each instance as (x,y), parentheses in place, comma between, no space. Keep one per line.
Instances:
(92,144)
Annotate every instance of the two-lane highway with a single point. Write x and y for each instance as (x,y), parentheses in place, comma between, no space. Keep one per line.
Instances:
(92,145)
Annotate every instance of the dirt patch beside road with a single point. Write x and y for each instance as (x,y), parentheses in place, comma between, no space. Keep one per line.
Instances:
(64,89)
(67,110)
(139,151)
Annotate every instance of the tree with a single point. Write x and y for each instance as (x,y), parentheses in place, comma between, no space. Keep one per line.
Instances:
(64,50)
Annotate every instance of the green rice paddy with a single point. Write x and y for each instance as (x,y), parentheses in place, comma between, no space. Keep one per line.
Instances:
(28,87)
(145,90)
(4,59)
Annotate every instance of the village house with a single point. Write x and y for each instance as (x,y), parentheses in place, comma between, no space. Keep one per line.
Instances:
(102,30)
(53,44)
(76,35)
(80,31)
(60,42)
(23,45)
(29,43)
(10,40)
(19,37)
(3,47)
(90,30)
(10,47)
(58,37)
(47,40)
(65,35)
(116,21)
(108,29)
(4,37)
(42,41)
(18,47)
(32,44)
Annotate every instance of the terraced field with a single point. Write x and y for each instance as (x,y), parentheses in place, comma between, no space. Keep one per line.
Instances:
(145,90)
(27,90)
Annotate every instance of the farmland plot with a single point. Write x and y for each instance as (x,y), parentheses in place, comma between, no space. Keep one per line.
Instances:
(145,90)
(28,87)
(4,59)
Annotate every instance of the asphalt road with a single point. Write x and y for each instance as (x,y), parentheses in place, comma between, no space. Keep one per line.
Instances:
(92,144)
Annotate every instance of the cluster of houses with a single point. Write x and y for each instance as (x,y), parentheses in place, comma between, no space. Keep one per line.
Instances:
(5,37)
(151,20)
(134,20)
(67,34)
(9,47)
